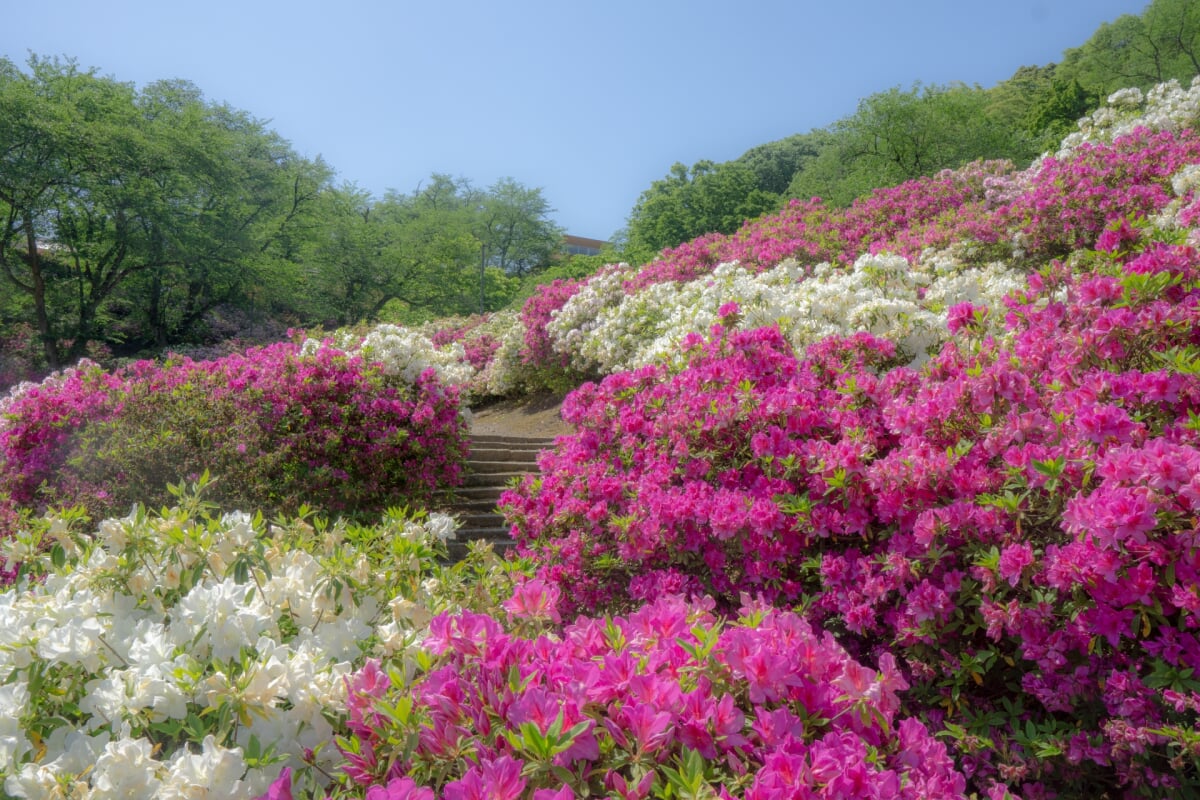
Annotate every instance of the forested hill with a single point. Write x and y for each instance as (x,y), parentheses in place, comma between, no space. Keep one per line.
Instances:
(907,132)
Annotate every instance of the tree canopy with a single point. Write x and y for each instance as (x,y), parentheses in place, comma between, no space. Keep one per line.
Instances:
(708,198)
(129,217)
(900,134)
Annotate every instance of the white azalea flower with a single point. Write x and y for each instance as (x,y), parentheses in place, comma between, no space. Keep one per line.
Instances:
(230,616)
(214,772)
(126,770)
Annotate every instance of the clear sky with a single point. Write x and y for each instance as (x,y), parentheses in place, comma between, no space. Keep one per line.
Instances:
(590,100)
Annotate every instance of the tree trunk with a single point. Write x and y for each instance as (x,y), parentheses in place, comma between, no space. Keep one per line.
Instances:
(38,286)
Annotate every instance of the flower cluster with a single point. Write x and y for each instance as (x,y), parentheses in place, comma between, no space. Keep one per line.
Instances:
(401,352)
(184,654)
(985,213)
(1166,107)
(666,701)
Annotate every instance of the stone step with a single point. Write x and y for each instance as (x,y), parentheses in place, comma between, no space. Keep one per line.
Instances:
(490,467)
(540,441)
(480,519)
(492,479)
(477,505)
(490,533)
(483,491)
(494,462)
(529,457)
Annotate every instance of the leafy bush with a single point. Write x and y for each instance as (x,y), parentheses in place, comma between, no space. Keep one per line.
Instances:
(278,428)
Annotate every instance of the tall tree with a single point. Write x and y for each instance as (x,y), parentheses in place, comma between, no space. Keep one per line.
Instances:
(1161,43)
(775,163)
(125,213)
(898,135)
(708,198)
(516,231)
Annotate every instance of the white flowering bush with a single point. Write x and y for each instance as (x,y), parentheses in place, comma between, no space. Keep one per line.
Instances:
(186,654)
(882,294)
(403,352)
(1165,107)
(581,314)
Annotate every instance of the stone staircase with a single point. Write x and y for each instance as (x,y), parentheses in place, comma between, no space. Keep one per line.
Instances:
(494,462)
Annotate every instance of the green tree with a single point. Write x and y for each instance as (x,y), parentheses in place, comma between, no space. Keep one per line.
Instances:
(127,215)
(1161,43)
(709,198)
(516,231)
(446,248)
(1057,111)
(775,164)
(409,251)
(898,135)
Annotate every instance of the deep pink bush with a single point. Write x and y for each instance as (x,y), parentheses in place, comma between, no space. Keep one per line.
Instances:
(1017,524)
(758,707)
(276,428)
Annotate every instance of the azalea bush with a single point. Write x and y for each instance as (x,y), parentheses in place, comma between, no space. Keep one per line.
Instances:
(1015,523)
(883,295)
(278,427)
(400,352)
(667,701)
(187,653)
(1165,107)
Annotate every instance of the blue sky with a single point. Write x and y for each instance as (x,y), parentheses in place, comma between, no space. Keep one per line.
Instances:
(589,99)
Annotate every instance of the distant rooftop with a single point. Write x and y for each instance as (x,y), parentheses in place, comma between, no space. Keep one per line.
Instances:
(582,246)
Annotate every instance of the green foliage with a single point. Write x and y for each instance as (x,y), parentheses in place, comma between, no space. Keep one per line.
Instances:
(1055,113)
(709,198)
(899,135)
(1161,43)
(138,219)
(570,268)
(128,215)
(444,249)
(775,164)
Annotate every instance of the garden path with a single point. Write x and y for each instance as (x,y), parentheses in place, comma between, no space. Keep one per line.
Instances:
(505,438)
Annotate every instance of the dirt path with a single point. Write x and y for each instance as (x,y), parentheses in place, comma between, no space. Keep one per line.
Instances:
(530,416)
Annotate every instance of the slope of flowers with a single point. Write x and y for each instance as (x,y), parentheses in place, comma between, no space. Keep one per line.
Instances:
(1125,163)
(184,654)
(806,563)
(278,426)
(964,233)
(946,517)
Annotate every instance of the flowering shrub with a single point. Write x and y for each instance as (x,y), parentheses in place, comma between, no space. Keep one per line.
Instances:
(278,427)
(667,701)
(945,517)
(492,346)
(1130,160)
(400,352)
(1166,107)
(883,295)
(38,422)
(183,654)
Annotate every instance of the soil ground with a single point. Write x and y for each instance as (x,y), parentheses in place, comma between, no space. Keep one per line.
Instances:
(528,416)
